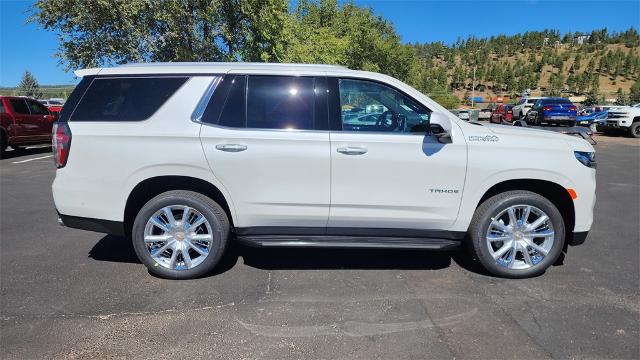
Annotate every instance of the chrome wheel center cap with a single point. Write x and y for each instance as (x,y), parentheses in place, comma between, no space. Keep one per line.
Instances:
(518,235)
(179,236)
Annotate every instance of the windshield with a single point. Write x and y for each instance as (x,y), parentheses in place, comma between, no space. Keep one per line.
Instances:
(556,101)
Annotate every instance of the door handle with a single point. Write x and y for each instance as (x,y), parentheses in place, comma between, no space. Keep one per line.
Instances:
(231,147)
(352,150)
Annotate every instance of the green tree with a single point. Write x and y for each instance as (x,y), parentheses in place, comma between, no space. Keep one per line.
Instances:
(29,86)
(621,98)
(105,32)
(634,93)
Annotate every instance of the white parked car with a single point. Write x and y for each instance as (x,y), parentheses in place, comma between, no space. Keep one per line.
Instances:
(485,114)
(464,114)
(523,106)
(186,158)
(623,118)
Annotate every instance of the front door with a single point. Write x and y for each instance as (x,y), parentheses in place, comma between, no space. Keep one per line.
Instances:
(268,145)
(386,173)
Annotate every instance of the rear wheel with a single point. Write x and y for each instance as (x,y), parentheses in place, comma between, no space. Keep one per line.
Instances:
(517,234)
(180,234)
(3,144)
(634,129)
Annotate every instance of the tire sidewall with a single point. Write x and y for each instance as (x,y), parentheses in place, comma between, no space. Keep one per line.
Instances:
(219,232)
(522,198)
(632,129)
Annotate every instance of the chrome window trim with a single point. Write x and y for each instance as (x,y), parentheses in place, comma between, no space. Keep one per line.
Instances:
(198,112)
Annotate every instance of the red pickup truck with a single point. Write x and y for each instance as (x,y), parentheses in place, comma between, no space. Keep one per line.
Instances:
(23,121)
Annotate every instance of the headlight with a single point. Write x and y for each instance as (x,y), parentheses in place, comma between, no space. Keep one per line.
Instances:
(586,158)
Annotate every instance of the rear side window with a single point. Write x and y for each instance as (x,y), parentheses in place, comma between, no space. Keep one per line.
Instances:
(280,102)
(2,110)
(234,111)
(37,108)
(125,99)
(19,106)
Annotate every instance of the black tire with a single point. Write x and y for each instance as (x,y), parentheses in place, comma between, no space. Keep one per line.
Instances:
(3,144)
(214,214)
(634,130)
(482,219)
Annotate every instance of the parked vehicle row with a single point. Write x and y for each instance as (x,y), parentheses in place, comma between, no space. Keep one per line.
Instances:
(23,121)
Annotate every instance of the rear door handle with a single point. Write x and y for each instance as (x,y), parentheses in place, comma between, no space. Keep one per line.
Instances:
(352,150)
(231,147)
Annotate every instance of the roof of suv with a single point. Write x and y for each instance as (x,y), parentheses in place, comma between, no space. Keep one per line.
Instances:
(202,67)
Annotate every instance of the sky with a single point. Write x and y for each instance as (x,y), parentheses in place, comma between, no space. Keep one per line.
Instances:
(27,47)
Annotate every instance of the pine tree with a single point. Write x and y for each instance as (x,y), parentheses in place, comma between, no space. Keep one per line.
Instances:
(29,86)
(621,98)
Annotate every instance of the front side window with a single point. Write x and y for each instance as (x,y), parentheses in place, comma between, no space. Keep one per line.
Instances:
(37,108)
(126,98)
(371,106)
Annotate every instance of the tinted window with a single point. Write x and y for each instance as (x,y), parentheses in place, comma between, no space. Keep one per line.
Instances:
(2,111)
(556,101)
(234,111)
(37,108)
(371,106)
(19,106)
(280,102)
(125,99)
(531,101)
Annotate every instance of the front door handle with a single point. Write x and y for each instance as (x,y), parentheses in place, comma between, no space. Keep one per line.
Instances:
(352,150)
(231,147)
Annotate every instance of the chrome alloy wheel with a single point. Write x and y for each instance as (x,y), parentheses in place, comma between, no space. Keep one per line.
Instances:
(520,237)
(178,237)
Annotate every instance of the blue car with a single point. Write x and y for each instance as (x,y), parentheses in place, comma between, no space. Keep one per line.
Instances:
(552,110)
(592,119)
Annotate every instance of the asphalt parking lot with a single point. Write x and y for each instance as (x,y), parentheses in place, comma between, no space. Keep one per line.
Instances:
(70,293)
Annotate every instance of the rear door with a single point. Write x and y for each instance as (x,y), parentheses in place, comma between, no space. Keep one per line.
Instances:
(383,175)
(24,124)
(266,140)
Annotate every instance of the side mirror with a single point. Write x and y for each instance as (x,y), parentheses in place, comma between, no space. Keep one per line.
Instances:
(436,129)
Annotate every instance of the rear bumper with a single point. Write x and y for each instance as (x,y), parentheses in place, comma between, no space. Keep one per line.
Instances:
(97,225)
(559,119)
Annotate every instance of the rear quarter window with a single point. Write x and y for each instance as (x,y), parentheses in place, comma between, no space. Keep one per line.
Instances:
(125,98)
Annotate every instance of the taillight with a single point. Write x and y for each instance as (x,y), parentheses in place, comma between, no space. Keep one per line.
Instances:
(509,112)
(547,108)
(61,142)
(573,108)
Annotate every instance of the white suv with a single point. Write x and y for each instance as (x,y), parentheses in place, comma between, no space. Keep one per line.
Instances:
(523,106)
(185,158)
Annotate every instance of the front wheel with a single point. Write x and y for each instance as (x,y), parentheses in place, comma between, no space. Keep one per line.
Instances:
(517,234)
(180,234)
(634,129)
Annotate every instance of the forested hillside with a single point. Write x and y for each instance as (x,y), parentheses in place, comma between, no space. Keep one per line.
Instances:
(595,64)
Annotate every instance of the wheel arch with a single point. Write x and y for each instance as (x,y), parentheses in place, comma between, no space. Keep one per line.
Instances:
(151,187)
(554,192)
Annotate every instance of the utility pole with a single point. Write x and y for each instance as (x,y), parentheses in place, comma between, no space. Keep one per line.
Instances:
(473,87)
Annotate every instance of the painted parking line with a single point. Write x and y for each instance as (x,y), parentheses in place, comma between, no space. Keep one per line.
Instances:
(38,158)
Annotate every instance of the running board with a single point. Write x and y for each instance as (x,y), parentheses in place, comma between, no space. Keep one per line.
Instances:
(367,242)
